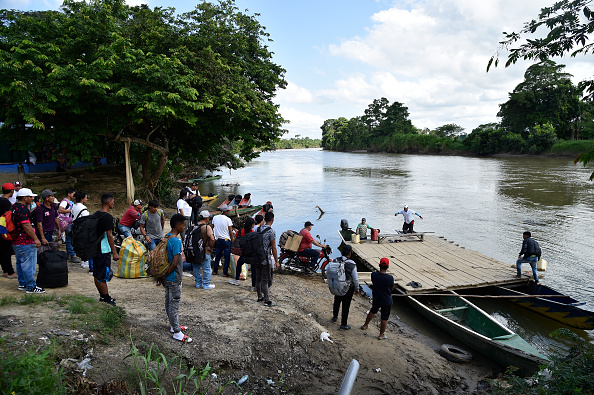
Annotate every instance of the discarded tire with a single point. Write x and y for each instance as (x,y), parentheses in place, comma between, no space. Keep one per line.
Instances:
(455,354)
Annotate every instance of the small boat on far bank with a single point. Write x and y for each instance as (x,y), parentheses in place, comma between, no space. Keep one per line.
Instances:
(208,177)
(471,325)
(549,303)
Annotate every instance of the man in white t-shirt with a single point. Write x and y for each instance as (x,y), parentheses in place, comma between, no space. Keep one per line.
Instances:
(223,233)
(184,209)
(80,210)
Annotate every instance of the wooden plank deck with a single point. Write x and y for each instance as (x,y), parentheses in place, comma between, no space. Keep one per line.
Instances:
(434,262)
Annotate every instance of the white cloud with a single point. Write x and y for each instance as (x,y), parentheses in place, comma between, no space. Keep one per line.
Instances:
(303,123)
(432,56)
(133,3)
(295,94)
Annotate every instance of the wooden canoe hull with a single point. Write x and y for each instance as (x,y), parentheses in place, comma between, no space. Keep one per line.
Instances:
(494,340)
(240,211)
(561,308)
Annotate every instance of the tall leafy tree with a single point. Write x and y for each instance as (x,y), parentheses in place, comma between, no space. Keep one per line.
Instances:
(199,85)
(561,29)
(546,96)
(395,120)
(448,130)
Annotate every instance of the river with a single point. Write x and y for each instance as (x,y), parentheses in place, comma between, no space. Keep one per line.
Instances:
(480,203)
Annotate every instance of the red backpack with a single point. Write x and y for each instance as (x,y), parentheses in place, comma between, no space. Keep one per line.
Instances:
(7,228)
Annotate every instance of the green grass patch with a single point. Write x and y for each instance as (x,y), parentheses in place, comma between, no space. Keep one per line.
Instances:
(8,300)
(79,304)
(29,371)
(36,299)
(111,318)
(572,147)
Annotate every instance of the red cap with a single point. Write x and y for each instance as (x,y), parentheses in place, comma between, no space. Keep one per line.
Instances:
(8,186)
(384,262)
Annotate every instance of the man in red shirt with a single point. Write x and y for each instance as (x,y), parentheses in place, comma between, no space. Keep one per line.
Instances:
(306,244)
(130,216)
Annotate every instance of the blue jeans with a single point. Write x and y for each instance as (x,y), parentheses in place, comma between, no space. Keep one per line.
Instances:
(223,247)
(154,242)
(26,263)
(532,260)
(69,248)
(204,279)
(125,230)
(314,254)
(49,236)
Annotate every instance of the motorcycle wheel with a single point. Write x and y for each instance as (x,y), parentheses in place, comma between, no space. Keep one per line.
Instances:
(283,262)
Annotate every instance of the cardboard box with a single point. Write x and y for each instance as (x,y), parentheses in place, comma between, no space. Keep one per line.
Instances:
(293,243)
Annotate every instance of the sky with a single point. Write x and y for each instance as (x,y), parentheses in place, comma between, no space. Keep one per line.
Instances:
(430,55)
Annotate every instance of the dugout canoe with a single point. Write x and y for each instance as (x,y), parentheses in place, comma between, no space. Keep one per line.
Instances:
(251,210)
(210,177)
(559,307)
(474,327)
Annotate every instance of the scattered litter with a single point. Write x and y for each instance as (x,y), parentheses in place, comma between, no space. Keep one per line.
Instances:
(325,336)
(269,381)
(84,364)
(45,339)
(378,370)
(242,380)
(214,376)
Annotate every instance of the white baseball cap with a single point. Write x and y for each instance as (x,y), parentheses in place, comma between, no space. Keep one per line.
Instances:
(25,192)
(205,214)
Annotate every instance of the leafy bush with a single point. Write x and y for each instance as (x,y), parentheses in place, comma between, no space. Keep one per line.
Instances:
(541,139)
(569,373)
(30,371)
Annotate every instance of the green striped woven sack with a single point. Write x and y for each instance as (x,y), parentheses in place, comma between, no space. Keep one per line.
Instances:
(133,256)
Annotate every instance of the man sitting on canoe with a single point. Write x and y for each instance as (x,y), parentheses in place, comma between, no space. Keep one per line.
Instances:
(531,252)
(306,244)
(409,221)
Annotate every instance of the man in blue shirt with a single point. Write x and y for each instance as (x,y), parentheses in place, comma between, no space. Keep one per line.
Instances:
(172,280)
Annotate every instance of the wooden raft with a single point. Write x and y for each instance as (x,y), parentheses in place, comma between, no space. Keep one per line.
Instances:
(435,263)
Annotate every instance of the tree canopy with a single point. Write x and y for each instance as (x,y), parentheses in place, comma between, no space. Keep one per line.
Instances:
(197,86)
(568,25)
(546,96)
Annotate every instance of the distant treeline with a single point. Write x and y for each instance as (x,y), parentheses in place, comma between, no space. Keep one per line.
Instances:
(297,142)
(544,113)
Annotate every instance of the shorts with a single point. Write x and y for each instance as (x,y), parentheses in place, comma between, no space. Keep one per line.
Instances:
(385,310)
(102,267)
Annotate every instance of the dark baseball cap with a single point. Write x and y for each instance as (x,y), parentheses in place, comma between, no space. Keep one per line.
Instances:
(346,249)
(307,223)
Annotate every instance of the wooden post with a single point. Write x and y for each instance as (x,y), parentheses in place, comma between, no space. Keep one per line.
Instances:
(129,179)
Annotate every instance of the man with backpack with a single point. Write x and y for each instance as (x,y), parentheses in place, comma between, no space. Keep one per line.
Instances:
(102,262)
(198,247)
(383,284)
(5,244)
(264,268)
(65,219)
(195,202)
(26,243)
(152,222)
(343,282)
(223,233)
(46,217)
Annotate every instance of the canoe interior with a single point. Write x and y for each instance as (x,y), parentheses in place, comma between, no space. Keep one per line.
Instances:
(533,289)
(457,310)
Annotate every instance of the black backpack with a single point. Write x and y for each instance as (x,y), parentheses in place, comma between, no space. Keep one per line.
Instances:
(195,202)
(252,247)
(194,245)
(85,240)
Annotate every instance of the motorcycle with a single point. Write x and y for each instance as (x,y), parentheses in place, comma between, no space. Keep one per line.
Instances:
(118,236)
(292,262)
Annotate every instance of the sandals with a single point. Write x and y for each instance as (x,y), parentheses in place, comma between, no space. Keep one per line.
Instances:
(185,339)
(181,327)
(363,327)
(382,337)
